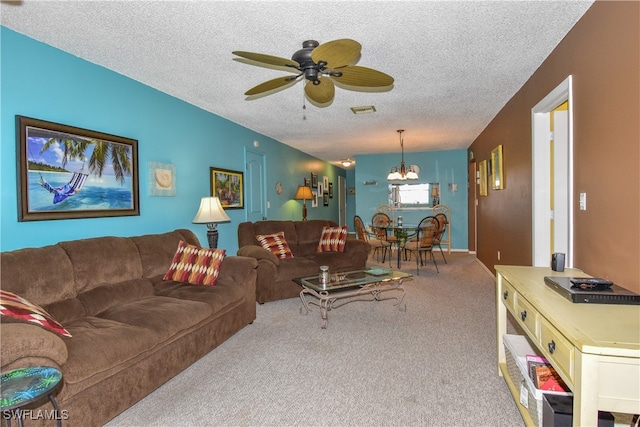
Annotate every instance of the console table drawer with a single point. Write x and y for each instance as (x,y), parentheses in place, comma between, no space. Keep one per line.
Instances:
(558,350)
(508,295)
(527,316)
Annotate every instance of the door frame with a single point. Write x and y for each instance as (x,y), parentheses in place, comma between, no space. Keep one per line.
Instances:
(541,179)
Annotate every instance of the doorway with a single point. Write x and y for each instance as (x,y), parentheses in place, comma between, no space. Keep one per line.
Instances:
(552,186)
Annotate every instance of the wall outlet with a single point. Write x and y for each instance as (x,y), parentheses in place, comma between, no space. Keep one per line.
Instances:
(498,255)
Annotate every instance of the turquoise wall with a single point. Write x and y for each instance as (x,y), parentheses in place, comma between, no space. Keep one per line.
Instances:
(43,82)
(443,167)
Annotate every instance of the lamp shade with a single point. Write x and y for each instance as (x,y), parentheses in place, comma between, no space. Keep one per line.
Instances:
(210,211)
(303,193)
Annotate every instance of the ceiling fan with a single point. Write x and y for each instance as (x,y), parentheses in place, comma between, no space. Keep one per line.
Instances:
(322,66)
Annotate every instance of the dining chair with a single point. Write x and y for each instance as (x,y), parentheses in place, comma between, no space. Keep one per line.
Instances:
(372,239)
(421,241)
(382,225)
(442,228)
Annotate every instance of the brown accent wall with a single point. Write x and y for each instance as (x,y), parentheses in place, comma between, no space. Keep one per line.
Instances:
(602,52)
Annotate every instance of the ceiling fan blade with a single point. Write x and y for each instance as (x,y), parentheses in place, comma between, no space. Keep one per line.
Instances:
(267,59)
(354,75)
(322,93)
(270,85)
(337,53)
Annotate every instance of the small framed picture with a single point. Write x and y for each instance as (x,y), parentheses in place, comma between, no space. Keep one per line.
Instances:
(314,201)
(307,182)
(228,186)
(325,198)
(331,190)
(325,181)
(314,180)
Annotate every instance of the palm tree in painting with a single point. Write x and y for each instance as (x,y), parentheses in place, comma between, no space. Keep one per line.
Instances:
(102,151)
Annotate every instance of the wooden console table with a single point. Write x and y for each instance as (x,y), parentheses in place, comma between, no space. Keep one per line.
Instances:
(595,348)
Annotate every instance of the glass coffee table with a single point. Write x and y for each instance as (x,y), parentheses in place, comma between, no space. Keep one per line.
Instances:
(374,284)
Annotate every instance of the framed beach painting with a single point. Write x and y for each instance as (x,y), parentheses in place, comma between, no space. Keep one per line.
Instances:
(228,186)
(67,172)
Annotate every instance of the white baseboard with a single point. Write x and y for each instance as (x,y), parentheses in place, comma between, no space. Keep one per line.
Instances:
(485,268)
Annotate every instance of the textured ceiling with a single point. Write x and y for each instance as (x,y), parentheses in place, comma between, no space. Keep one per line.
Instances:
(455,63)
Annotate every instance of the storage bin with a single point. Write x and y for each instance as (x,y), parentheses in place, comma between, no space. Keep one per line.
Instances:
(517,347)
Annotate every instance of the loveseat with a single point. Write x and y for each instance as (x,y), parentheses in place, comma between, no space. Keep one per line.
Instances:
(131,330)
(275,275)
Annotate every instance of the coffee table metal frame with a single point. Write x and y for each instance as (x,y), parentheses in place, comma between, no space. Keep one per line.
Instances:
(349,287)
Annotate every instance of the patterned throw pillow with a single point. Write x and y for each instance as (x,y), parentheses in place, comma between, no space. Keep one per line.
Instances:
(333,239)
(275,243)
(16,307)
(198,266)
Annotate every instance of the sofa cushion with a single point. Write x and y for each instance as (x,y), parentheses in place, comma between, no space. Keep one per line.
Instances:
(18,308)
(275,243)
(99,345)
(156,250)
(332,239)
(101,260)
(291,268)
(198,266)
(100,299)
(163,316)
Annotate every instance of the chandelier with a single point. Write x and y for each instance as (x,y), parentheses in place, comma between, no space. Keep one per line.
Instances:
(401,173)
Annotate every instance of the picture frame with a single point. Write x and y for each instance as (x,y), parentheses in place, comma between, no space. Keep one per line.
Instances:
(228,186)
(67,172)
(314,180)
(307,182)
(483,178)
(325,198)
(314,201)
(331,190)
(162,179)
(320,191)
(325,182)
(497,169)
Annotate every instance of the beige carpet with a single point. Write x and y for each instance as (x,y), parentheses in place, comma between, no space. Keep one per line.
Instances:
(433,365)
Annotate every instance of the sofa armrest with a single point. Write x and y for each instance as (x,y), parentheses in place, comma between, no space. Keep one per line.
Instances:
(352,246)
(258,253)
(237,268)
(25,345)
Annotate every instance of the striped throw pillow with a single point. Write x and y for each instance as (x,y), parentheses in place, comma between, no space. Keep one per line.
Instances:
(333,239)
(18,308)
(275,243)
(194,265)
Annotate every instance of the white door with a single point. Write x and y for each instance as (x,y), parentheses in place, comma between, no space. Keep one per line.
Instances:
(255,177)
(342,200)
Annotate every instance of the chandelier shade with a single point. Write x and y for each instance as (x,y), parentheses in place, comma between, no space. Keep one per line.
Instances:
(401,173)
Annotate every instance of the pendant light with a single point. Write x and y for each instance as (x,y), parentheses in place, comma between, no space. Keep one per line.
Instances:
(401,173)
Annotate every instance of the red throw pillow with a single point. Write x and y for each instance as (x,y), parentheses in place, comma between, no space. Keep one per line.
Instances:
(16,307)
(198,266)
(275,243)
(333,239)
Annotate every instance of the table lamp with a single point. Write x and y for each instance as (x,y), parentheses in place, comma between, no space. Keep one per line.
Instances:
(303,193)
(211,213)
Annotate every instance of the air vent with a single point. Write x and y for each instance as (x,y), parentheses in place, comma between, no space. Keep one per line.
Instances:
(364,110)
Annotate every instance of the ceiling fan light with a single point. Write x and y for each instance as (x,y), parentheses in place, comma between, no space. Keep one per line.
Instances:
(346,163)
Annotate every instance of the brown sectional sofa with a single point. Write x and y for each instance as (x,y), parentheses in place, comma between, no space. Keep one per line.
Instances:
(132,331)
(275,275)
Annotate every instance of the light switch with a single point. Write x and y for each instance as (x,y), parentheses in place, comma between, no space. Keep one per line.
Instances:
(583,201)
